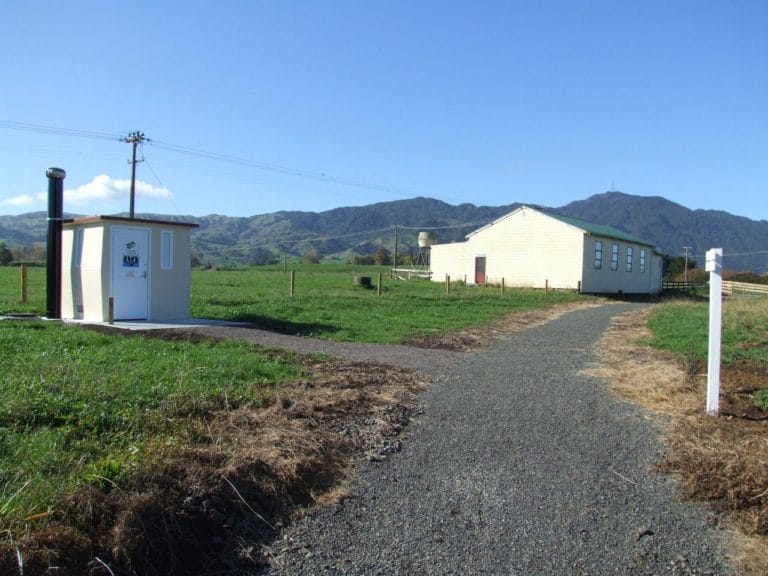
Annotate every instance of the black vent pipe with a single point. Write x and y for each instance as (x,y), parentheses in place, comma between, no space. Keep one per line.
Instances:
(55,217)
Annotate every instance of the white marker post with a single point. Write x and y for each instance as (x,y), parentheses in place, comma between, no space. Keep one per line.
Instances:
(715,268)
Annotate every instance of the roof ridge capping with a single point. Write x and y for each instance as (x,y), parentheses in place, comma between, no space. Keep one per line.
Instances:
(597,229)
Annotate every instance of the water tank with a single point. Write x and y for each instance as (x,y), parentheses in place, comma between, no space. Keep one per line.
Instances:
(426,239)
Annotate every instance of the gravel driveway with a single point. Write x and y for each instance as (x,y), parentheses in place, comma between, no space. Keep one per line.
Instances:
(517,465)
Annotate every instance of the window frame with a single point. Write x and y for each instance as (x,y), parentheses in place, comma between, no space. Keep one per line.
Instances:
(615,257)
(166,249)
(78,239)
(598,255)
(629,258)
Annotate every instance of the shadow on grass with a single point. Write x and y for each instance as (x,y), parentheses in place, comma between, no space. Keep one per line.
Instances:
(285,327)
(650,298)
(668,294)
(685,294)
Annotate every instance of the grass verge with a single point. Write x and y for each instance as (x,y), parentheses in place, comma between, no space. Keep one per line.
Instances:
(151,457)
(654,359)
(85,413)
(70,417)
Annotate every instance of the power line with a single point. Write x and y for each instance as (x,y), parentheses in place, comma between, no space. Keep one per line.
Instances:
(39,128)
(277,243)
(745,253)
(215,156)
(756,253)
(365,233)
(298,172)
(447,227)
(326,238)
(154,173)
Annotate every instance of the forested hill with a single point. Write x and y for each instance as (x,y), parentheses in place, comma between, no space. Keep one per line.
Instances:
(671,226)
(342,233)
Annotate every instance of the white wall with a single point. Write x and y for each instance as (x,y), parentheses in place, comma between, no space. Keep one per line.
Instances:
(524,248)
(529,249)
(83,286)
(170,288)
(450,259)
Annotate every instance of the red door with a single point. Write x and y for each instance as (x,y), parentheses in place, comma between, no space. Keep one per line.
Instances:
(479,269)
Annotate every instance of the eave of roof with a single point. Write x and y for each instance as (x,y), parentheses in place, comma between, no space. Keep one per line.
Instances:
(92,219)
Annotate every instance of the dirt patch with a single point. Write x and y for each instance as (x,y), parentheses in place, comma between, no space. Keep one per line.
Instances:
(170,334)
(739,384)
(723,460)
(477,336)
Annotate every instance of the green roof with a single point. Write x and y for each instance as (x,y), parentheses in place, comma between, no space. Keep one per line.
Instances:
(598,229)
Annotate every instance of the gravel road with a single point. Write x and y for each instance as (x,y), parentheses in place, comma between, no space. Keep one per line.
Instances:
(428,360)
(516,465)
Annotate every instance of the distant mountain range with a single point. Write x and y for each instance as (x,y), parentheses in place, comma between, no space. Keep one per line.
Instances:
(342,233)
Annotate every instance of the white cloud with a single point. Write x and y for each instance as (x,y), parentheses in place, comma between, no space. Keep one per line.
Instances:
(100,189)
(20,201)
(105,188)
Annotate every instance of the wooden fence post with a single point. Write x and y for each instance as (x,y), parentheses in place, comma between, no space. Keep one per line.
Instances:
(447,284)
(24,284)
(378,285)
(546,286)
(502,285)
(111,311)
(293,281)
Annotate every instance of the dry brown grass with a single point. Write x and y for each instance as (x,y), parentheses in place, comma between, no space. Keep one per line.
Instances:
(212,507)
(474,337)
(723,460)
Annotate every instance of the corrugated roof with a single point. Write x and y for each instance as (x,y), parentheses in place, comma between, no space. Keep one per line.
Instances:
(589,227)
(598,229)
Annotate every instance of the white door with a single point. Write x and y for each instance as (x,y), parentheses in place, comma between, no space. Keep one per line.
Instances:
(130,273)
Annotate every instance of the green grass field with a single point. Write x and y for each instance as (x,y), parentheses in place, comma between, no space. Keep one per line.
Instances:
(81,408)
(326,303)
(10,290)
(682,327)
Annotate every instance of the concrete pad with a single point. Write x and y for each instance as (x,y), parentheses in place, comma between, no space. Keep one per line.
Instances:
(152,325)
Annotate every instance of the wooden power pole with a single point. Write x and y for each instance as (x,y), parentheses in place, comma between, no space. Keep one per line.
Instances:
(134,138)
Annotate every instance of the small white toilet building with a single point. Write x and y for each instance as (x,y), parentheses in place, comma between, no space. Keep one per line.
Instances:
(144,266)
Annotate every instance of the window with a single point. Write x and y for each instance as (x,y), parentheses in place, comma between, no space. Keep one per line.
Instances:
(614,257)
(166,250)
(629,258)
(598,254)
(642,260)
(78,247)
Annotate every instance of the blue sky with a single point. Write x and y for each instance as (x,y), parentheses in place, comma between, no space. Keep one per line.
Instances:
(312,105)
